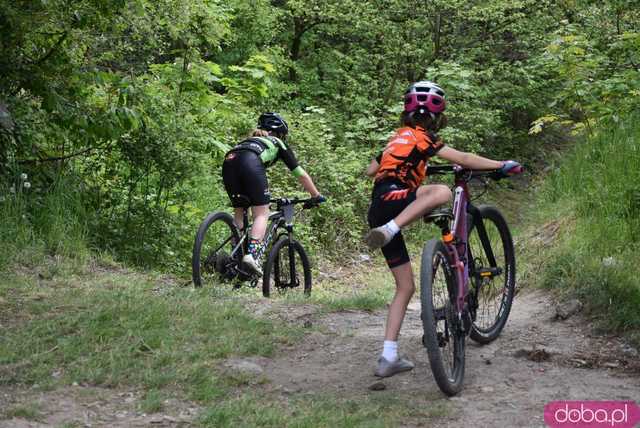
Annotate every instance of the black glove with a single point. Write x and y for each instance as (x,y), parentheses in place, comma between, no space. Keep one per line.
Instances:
(508,168)
(314,202)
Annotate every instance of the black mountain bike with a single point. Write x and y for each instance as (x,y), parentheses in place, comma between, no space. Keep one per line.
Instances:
(219,247)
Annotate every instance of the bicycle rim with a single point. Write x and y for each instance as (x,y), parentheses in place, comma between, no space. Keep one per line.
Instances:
(215,253)
(443,338)
(492,272)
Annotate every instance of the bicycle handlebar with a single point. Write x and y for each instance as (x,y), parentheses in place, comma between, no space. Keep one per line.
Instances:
(307,203)
(461,171)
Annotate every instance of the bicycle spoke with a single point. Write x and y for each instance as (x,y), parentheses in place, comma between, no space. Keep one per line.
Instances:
(490,287)
(492,271)
(217,250)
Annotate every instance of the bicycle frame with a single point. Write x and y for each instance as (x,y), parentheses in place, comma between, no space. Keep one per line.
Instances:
(456,239)
(283,217)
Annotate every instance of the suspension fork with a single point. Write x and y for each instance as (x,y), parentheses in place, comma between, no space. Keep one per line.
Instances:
(450,243)
(292,256)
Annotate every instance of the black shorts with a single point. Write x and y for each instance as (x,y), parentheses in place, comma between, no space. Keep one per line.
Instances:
(387,201)
(244,173)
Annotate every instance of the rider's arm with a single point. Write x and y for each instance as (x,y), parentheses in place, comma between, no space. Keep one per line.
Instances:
(308,185)
(288,157)
(467,160)
(290,160)
(372,169)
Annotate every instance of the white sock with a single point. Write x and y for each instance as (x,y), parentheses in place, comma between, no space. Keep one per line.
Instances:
(390,350)
(392,227)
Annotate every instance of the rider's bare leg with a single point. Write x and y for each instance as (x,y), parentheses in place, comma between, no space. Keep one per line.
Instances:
(238,214)
(428,197)
(405,288)
(260,217)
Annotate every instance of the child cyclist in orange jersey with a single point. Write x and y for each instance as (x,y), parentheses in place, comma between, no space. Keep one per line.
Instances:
(244,174)
(399,198)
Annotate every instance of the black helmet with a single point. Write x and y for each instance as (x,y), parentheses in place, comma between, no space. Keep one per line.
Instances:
(273,122)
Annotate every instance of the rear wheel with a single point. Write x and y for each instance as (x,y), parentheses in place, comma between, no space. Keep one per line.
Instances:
(443,336)
(492,270)
(213,259)
(287,268)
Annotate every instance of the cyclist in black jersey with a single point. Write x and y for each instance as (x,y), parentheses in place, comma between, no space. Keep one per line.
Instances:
(244,176)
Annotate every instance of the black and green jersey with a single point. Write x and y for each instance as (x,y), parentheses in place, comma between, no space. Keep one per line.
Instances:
(270,149)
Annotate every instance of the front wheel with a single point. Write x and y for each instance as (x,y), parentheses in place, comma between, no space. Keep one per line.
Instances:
(215,251)
(287,267)
(443,335)
(492,270)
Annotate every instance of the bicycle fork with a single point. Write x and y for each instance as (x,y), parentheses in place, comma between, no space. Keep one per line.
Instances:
(292,258)
(462,313)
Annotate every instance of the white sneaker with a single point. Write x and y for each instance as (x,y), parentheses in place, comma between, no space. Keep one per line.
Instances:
(250,263)
(378,237)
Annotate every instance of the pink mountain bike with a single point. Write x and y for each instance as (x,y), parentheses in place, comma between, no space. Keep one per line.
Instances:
(467,278)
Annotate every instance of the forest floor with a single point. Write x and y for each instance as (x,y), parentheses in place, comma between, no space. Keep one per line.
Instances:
(537,359)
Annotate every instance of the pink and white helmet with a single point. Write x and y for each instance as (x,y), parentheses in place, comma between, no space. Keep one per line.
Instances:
(424,95)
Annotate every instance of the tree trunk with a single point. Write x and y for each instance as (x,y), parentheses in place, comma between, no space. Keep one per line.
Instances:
(436,35)
(294,54)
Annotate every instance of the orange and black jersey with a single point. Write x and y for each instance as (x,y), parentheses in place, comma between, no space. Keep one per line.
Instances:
(404,159)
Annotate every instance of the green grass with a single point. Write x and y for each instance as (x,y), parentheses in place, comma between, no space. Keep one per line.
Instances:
(367,287)
(114,329)
(594,198)
(380,410)
(111,327)
(152,401)
(40,223)
(31,412)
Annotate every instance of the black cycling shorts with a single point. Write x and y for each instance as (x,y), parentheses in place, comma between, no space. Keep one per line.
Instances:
(387,201)
(244,174)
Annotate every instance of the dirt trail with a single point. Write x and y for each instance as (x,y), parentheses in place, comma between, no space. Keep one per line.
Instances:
(504,385)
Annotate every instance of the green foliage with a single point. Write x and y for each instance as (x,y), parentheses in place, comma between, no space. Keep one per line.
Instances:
(139,100)
(338,172)
(596,191)
(594,56)
(42,221)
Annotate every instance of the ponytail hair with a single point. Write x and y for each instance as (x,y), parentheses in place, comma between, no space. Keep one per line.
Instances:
(264,133)
(429,121)
(259,133)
